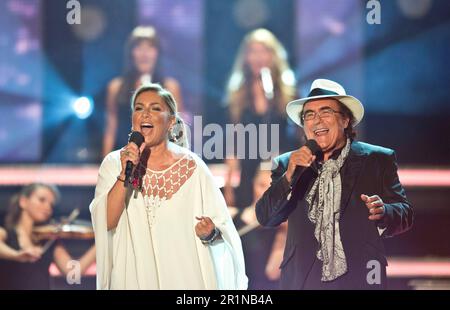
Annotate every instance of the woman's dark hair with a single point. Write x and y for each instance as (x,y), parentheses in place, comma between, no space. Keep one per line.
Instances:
(130,72)
(14,210)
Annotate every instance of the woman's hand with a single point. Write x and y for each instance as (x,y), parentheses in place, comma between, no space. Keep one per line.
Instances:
(132,153)
(204,227)
(29,255)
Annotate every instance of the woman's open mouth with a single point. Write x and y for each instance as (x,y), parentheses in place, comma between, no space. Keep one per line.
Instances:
(146,128)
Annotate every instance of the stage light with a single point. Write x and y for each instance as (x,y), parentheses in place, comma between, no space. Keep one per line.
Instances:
(83,107)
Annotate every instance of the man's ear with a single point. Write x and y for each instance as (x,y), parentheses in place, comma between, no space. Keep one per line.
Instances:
(346,122)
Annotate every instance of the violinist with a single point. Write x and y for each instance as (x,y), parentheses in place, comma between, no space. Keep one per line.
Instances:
(24,260)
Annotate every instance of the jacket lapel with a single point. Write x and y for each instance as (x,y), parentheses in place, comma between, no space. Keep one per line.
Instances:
(351,170)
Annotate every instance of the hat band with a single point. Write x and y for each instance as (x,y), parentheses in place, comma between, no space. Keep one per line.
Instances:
(322,92)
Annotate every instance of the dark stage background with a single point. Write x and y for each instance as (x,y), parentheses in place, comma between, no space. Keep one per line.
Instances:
(399,69)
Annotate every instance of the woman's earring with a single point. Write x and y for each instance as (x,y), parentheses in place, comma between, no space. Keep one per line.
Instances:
(173,136)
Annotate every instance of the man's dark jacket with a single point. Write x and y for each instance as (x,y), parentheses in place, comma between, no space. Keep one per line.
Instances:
(369,170)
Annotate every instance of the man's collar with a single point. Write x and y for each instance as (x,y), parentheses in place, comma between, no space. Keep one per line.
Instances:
(336,153)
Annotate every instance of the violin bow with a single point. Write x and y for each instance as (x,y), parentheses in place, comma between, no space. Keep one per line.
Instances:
(73,215)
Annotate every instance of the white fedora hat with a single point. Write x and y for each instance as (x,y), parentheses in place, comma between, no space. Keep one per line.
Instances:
(322,88)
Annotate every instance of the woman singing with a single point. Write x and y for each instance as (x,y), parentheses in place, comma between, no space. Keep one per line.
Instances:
(170,229)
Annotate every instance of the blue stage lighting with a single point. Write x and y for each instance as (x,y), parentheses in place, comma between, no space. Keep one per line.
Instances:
(83,107)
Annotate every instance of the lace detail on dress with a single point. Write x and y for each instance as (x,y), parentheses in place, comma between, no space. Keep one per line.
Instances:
(158,186)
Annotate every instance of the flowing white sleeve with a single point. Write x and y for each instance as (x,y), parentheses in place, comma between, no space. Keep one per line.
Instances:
(227,255)
(109,170)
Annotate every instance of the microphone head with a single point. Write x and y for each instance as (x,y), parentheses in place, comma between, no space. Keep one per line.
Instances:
(267,83)
(146,79)
(137,138)
(314,147)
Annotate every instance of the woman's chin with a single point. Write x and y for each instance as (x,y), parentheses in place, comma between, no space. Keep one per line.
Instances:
(150,142)
(41,219)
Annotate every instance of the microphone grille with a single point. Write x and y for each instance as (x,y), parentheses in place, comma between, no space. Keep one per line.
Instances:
(314,147)
(137,138)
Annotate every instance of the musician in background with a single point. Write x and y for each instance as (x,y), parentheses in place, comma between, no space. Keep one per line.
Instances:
(260,85)
(260,245)
(142,66)
(24,261)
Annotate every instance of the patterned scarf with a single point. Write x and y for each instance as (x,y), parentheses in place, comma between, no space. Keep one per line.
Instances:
(324,200)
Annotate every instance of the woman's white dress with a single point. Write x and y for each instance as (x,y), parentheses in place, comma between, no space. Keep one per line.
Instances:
(154,245)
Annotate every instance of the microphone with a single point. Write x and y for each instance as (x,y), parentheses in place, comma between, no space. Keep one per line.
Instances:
(138,139)
(267,82)
(146,79)
(285,207)
(299,170)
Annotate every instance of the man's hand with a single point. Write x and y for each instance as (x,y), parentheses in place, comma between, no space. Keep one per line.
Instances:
(375,206)
(302,157)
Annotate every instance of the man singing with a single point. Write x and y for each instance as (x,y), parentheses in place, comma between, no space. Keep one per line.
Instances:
(340,199)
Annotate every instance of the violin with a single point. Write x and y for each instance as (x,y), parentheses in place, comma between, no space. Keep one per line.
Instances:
(69,228)
(76,230)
